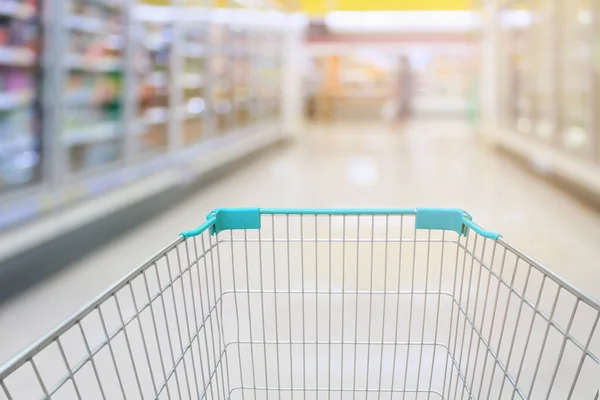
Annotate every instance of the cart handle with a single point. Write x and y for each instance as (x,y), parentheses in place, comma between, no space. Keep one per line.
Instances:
(452,219)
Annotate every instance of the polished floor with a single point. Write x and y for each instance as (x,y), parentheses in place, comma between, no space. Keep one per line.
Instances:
(429,164)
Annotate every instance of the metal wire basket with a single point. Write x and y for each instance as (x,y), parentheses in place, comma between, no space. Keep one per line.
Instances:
(321,304)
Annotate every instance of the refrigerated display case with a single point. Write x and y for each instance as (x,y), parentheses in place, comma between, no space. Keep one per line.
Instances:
(520,82)
(221,58)
(241,76)
(561,62)
(548,84)
(595,66)
(266,72)
(529,90)
(545,85)
(272,76)
(193,81)
(93,84)
(21,155)
(136,96)
(576,78)
(154,95)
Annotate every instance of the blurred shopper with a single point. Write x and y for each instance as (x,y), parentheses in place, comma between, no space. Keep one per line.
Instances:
(404,91)
(313,79)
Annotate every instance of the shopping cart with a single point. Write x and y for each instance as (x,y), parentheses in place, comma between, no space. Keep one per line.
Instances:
(324,304)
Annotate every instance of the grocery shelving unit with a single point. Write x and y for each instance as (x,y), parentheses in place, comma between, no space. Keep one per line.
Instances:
(576,79)
(91,122)
(21,119)
(243,94)
(193,82)
(221,66)
(548,81)
(134,93)
(153,87)
(544,68)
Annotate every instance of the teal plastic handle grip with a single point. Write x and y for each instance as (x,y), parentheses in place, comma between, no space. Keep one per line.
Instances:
(450,219)
(199,230)
(481,231)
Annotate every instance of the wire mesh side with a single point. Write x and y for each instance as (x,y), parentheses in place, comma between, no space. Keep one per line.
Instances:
(155,335)
(324,306)
(520,333)
(338,307)
(367,306)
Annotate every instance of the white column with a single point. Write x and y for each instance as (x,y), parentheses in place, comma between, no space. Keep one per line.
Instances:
(292,89)
(489,73)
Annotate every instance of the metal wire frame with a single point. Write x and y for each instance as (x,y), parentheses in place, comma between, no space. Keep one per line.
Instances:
(173,335)
(196,341)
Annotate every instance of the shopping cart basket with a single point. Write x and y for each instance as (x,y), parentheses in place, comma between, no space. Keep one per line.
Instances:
(324,304)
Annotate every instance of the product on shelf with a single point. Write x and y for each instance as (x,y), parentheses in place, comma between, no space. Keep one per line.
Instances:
(267,66)
(154,88)
(83,157)
(578,36)
(20,146)
(221,97)
(241,79)
(223,77)
(193,83)
(94,83)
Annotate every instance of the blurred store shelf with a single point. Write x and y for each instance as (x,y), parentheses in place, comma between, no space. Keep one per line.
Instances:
(120,120)
(85,23)
(10,100)
(95,133)
(11,8)
(20,143)
(539,90)
(13,55)
(137,186)
(93,64)
(550,162)
(156,115)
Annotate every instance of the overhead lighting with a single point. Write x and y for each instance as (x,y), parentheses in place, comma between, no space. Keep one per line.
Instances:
(114,42)
(575,137)
(250,3)
(402,21)
(584,17)
(26,160)
(524,125)
(516,18)
(146,12)
(196,105)
(223,107)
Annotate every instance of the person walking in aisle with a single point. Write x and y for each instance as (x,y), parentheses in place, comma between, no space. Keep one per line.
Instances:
(404,91)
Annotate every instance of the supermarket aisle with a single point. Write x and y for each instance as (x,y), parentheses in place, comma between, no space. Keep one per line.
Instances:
(346,165)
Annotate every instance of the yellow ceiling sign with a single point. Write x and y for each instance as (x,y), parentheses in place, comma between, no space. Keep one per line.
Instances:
(320,7)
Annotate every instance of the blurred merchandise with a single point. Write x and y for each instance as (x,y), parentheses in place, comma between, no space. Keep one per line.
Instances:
(20,116)
(192,83)
(241,76)
(576,81)
(221,69)
(92,119)
(154,84)
(360,79)
(128,94)
(540,88)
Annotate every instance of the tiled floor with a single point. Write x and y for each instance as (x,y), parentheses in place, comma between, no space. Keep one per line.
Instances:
(431,164)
